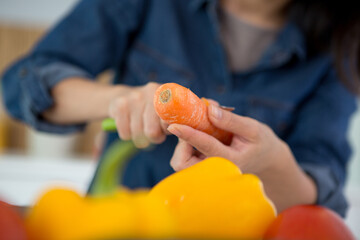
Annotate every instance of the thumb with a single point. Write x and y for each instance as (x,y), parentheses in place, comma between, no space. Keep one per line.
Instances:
(245,127)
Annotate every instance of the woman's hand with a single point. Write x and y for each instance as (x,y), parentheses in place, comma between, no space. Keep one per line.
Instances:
(254,149)
(136,118)
(131,107)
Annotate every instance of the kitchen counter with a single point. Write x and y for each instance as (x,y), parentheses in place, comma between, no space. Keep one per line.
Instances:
(23,178)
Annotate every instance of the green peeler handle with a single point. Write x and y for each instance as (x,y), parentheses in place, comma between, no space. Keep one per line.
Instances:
(111,164)
(108,125)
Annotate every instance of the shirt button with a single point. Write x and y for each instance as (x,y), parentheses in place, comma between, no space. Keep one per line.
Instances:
(23,72)
(220,89)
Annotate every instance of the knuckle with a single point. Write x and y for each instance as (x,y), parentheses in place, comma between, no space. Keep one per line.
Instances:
(136,96)
(172,164)
(112,110)
(229,121)
(267,130)
(152,85)
(175,165)
(152,132)
(207,149)
(121,104)
(116,106)
(155,134)
(256,129)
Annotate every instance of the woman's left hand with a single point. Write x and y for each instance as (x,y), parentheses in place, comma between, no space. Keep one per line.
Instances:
(254,147)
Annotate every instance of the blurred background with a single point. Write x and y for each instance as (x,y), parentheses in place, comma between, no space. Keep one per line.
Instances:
(30,161)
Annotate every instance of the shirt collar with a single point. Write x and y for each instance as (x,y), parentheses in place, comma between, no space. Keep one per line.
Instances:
(289,44)
(290,41)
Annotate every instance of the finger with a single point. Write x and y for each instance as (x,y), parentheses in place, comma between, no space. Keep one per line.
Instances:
(183,156)
(119,111)
(245,127)
(152,125)
(206,144)
(213,102)
(137,135)
(137,124)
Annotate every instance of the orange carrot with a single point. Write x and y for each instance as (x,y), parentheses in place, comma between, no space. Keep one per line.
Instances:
(177,104)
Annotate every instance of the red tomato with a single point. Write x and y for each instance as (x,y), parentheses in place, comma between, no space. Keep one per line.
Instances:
(12,226)
(308,222)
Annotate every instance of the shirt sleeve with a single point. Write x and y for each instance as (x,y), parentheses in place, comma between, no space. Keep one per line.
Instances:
(92,38)
(330,190)
(319,140)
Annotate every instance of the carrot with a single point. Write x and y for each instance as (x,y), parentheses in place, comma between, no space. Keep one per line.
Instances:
(176,104)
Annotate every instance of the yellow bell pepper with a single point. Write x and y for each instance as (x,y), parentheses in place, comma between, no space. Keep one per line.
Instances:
(62,214)
(210,200)
(214,200)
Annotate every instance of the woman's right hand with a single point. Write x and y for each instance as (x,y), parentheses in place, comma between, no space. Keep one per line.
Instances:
(135,116)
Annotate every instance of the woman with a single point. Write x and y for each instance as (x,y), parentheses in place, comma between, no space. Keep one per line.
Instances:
(261,57)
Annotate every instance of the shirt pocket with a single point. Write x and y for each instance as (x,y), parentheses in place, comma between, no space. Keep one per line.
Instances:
(278,115)
(149,65)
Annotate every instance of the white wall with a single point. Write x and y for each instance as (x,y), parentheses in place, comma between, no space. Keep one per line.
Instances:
(33,12)
(354,136)
(353,185)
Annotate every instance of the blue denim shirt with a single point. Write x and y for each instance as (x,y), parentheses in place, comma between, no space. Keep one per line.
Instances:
(297,95)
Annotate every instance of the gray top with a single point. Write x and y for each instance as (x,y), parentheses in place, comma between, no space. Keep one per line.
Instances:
(244,43)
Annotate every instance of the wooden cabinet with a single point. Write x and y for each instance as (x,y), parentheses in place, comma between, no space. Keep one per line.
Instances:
(15,41)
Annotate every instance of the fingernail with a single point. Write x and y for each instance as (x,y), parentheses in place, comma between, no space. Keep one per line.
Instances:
(174,130)
(215,112)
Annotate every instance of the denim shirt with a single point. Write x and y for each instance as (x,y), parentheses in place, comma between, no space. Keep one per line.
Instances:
(297,95)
